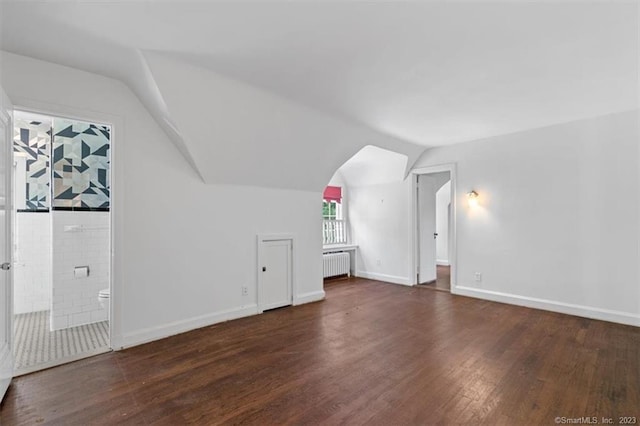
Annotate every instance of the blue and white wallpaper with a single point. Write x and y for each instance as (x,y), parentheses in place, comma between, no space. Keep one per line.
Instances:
(71,156)
(32,138)
(80,165)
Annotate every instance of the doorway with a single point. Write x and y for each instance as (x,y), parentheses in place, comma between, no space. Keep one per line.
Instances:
(62,240)
(435,227)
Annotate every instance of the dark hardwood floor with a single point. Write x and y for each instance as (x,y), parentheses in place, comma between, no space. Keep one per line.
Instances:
(372,353)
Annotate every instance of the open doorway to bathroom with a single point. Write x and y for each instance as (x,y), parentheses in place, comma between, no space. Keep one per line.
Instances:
(62,240)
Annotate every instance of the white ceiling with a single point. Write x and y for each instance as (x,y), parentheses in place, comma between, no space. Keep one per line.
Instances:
(429,73)
(27,116)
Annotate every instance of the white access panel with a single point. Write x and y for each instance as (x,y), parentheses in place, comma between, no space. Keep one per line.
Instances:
(275,274)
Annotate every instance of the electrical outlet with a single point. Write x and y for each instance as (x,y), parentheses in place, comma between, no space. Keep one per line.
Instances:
(245,290)
(478,277)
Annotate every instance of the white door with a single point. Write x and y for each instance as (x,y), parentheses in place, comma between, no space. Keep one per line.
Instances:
(276,280)
(427,228)
(6,166)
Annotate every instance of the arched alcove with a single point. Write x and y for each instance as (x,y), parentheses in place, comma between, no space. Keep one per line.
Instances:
(371,166)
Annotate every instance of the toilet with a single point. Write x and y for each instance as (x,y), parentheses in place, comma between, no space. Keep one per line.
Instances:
(103,297)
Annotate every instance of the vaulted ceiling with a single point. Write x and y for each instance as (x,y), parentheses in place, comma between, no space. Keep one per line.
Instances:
(422,74)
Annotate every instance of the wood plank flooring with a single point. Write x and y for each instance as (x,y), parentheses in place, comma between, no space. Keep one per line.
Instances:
(372,353)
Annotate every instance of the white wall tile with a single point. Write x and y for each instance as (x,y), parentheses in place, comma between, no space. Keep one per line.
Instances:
(88,246)
(60,322)
(32,273)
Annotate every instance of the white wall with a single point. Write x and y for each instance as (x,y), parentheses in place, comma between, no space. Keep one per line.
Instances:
(337,180)
(374,166)
(32,273)
(379,214)
(182,249)
(80,238)
(557,225)
(380,219)
(443,199)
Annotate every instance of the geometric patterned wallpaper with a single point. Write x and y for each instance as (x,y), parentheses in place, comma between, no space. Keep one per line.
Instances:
(32,137)
(80,165)
(65,157)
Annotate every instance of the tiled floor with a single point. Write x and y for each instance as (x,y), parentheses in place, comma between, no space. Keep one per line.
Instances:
(36,347)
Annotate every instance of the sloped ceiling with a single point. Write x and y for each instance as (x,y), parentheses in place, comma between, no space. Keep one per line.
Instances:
(238,134)
(427,74)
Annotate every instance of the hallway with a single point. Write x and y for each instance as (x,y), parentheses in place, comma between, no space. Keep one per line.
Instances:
(442,281)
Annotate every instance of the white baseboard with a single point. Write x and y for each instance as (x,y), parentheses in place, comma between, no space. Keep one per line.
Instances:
(550,305)
(442,262)
(384,277)
(166,330)
(313,296)
(160,332)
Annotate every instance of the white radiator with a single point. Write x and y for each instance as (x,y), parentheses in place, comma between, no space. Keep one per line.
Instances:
(336,264)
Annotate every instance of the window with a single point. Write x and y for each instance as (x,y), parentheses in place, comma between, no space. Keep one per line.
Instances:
(331,210)
(332,203)
(334,229)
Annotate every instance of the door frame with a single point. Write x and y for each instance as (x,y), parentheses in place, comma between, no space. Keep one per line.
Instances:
(415,223)
(7,355)
(261,239)
(116,201)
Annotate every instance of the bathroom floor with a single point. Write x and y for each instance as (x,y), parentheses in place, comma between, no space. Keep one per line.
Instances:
(37,348)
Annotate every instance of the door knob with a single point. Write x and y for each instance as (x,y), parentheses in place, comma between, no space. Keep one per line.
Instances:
(5,266)
(435,234)
(264,269)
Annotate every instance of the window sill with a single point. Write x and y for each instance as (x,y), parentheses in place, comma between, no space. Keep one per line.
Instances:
(338,247)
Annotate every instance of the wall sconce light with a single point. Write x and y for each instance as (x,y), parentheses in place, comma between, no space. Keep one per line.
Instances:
(472,198)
